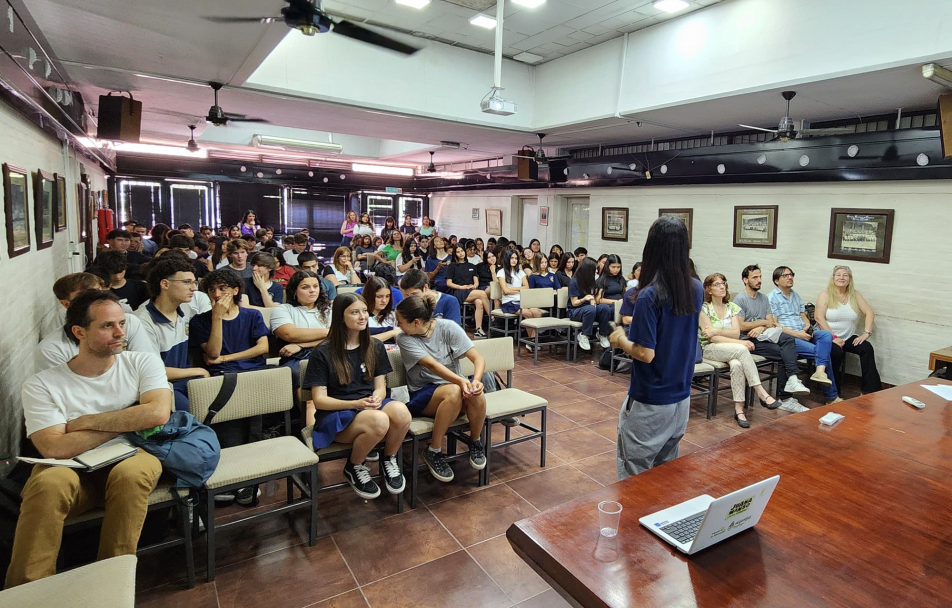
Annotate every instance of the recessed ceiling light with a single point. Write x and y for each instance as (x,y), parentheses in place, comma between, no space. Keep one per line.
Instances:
(483,21)
(325,180)
(852,151)
(528,3)
(922,160)
(721,169)
(277,171)
(804,160)
(664,169)
(528,58)
(413,3)
(259,174)
(671,6)
(310,174)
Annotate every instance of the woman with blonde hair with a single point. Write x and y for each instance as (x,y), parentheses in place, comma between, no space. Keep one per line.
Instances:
(837,310)
(719,332)
(341,268)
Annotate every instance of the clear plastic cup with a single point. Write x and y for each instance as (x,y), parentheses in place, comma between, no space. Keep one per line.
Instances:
(609,514)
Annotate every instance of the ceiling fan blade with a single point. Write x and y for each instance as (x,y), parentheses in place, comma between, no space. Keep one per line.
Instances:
(242,19)
(356,32)
(759,129)
(244,119)
(830,131)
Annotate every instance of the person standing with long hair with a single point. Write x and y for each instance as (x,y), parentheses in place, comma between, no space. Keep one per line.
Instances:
(249,223)
(347,375)
(662,342)
(347,228)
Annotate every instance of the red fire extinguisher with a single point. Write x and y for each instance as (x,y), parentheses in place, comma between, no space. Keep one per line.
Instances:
(104,217)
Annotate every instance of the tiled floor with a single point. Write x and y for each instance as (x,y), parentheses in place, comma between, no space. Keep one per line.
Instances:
(449,551)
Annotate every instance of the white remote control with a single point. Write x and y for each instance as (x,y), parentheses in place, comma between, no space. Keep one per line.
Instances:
(914,403)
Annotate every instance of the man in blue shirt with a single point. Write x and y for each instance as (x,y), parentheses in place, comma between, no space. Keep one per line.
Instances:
(787,307)
(415,282)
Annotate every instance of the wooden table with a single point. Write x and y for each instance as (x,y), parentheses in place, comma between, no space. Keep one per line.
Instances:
(940,358)
(862,516)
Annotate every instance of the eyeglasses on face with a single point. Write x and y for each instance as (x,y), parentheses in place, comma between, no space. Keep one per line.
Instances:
(188,282)
(719,284)
(788,275)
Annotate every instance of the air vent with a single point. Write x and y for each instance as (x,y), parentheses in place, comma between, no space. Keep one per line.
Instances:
(476,5)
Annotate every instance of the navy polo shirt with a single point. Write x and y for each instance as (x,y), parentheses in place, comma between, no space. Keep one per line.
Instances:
(549,280)
(447,307)
(238,334)
(171,338)
(254,295)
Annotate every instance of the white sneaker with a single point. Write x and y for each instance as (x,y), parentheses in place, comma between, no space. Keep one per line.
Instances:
(603,342)
(583,342)
(795,387)
(792,405)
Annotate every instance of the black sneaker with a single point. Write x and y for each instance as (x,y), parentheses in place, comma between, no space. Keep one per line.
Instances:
(373,456)
(395,481)
(358,476)
(226,498)
(436,462)
(510,422)
(477,455)
(248,497)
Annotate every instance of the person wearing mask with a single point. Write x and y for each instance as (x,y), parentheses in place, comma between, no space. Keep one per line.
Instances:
(347,228)
(837,311)
(436,262)
(463,282)
(512,280)
(662,342)
(341,269)
(610,286)
(248,224)
(583,307)
(566,271)
(260,290)
(409,258)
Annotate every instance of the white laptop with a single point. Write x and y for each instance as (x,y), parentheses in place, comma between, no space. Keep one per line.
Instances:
(704,521)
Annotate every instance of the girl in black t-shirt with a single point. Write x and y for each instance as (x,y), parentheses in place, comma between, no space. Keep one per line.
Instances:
(610,285)
(463,282)
(347,376)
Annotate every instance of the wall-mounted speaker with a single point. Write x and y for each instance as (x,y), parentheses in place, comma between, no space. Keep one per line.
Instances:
(945,124)
(557,171)
(120,118)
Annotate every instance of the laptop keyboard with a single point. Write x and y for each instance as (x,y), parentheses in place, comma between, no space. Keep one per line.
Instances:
(684,530)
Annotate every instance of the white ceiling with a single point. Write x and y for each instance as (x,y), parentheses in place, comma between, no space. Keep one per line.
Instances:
(552,30)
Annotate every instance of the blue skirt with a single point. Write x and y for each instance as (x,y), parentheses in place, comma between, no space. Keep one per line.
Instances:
(326,428)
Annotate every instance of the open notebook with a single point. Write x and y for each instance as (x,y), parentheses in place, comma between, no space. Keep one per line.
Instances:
(108,453)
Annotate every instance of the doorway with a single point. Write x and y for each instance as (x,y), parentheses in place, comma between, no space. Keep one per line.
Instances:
(578,229)
(530,219)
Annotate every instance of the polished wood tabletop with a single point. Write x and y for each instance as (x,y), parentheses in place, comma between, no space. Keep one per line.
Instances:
(862,516)
(942,356)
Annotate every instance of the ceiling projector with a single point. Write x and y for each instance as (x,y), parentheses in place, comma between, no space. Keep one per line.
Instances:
(495,105)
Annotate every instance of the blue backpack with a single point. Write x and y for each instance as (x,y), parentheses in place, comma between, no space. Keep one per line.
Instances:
(188,449)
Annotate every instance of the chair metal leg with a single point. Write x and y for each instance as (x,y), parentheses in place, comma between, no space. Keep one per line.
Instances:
(185,529)
(400,466)
(414,470)
(544,412)
(484,474)
(535,353)
(312,539)
(290,482)
(210,536)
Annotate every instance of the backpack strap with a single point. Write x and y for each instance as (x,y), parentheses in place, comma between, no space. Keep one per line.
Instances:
(229,382)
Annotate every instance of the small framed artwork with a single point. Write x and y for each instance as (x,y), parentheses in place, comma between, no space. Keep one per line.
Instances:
(60,198)
(685,215)
(494,222)
(44,193)
(475,213)
(755,227)
(16,209)
(543,216)
(861,234)
(615,224)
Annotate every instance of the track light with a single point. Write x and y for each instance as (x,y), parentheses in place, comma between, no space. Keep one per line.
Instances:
(937,74)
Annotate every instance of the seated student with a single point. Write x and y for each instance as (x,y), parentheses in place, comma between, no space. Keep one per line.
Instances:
(633,276)
(719,332)
(600,265)
(389,275)
(787,307)
(57,347)
(364,253)
(438,258)
(463,284)
(166,317)
(392,247)
(445,306)
(341,269)
(553,262)
(260,290)
(566,269)
(512,280)
(486,270)
(556,252)
(308,261)
(284,271)
(526,257)
(130,292)
(755,318)
(236,252)
(199,302)
(120,240)
(347,375)
(473,256)
(96,396)
(541,277)
(580,254)
(203,259)
(431,349)
(409,258)
(149,246)
(408,228)
(382,322)
(837,310)
(135,242)
(610,286)
(583,308)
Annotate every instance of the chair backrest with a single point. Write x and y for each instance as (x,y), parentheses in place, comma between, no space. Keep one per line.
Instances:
(265,314)
(618,304)
(541,297)
(264,391)
(303,366)
(495,290)
(346,288)
(563,297)
(398,377)
(497,352)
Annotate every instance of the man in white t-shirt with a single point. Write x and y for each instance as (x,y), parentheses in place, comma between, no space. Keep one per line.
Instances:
(93,398)
(57,348)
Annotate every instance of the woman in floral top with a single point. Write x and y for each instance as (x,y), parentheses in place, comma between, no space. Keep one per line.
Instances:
(719,331)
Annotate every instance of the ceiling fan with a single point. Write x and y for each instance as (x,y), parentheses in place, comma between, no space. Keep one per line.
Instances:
(220,118)
(787,129)
(309,17)
(539,155)
(431,168)
(192,145)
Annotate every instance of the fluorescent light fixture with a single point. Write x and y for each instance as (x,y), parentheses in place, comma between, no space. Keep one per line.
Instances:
(295,145)
(529,3)
(175,80)
(413,3)
(483,21)
(156,149)
(937,74)
(528,58)
(671,6)
(382,169)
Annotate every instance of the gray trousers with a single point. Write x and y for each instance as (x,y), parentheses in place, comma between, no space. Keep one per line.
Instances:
(648,435)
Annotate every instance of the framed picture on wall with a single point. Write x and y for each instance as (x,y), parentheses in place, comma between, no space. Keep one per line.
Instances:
(60,198)
(475,213)
(44,192)
(685,215)
(494,222)
(861,234)
(755,227)
(543,216)
(615,223)
(16,209)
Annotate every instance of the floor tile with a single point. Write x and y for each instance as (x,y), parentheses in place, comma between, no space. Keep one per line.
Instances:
(351,599)
(521,459)
(553,487)
(252,539)
(286,579)
(508,570)
(603,468)
(342,509)
(578,444)
(607,428)
(465,480)
(709,433)
(204,595)
(586,412)
(481,515)
(686,447)
(559,395)
(595,387)
(547,599)
(554,423)
(455,580)
(394,544)
(529,381)
(614,400)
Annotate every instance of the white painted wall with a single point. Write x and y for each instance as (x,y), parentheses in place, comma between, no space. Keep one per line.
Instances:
(910,294)
(29,310)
